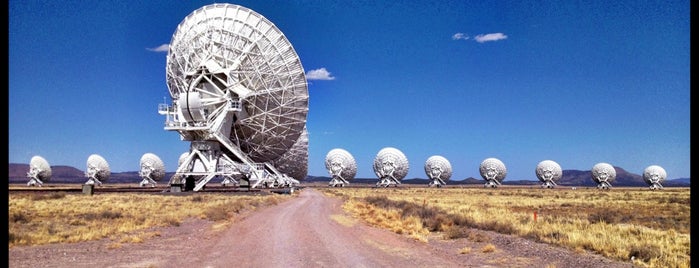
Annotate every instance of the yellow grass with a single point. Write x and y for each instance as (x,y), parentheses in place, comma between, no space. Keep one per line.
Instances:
(488,248)
(651,226)
(43,218)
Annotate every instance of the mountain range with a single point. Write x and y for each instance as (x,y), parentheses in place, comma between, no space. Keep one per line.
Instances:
(582,178)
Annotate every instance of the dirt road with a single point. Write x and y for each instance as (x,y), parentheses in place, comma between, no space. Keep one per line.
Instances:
(310,230)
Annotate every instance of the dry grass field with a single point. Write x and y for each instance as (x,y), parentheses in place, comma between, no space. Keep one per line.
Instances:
(64,217)
(652,228)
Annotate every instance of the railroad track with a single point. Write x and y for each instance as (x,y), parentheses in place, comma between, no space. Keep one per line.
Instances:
(130,188)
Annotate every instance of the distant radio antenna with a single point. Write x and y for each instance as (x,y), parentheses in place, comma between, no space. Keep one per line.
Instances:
(341,166)
(548,172)
(654,175)
(603,174)
(97,170)
(152,169)
(182,157)
(390,166)
(493,172)
(39,171)
(438,169)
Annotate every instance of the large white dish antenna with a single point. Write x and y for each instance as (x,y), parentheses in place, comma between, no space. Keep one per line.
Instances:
(97,170)
(152,169)
(654,175)
(493,171)
(239,92)
(341,166)
(39,171)
(390,166)
(549,172)
(603,174)
(438,170)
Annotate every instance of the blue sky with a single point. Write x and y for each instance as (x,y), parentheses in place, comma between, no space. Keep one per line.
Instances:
(576,82)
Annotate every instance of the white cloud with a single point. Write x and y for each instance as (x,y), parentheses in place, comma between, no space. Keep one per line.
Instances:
(490,37)
(459,36)
(161,48)
(319,74)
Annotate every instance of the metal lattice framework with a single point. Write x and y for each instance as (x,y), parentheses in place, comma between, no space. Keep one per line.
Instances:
(97,170)
(548,172)
(654,175)
(438,170)
(603,174)
(341,166)
(493,172)
(152,169)
(239,94)
(390,166)
(294,162)
(39,171)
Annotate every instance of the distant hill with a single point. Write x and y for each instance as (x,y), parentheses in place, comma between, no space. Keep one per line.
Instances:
(67,174)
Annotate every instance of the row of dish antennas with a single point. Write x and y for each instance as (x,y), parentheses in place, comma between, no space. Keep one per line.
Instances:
(152,170)
(549,172)
(391,166)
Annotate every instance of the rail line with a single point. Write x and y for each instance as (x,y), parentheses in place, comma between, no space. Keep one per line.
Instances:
(130,188)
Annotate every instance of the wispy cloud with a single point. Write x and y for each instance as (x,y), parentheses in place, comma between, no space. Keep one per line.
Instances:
(481,38)
(459,36)
(161,48)
(319,74)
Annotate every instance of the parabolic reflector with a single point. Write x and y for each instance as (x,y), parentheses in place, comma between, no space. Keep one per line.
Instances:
(39,171)
(40,168)
(390,166)
(341,165)
(603,174)
(654,175)
(97,169)
(295,161)
(226,57)
(549,172)
(438,167)
(152,167)
(493,171)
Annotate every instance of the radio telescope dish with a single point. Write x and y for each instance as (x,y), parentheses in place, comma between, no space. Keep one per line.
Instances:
(152,169)
(39,171)
(97,170)
(654,175)
(294,162)
(239,93)
(178,177)
(493,172)
(603,174)
(341,166)
(183,156)
(549,172)
(390,166)
(438,169)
